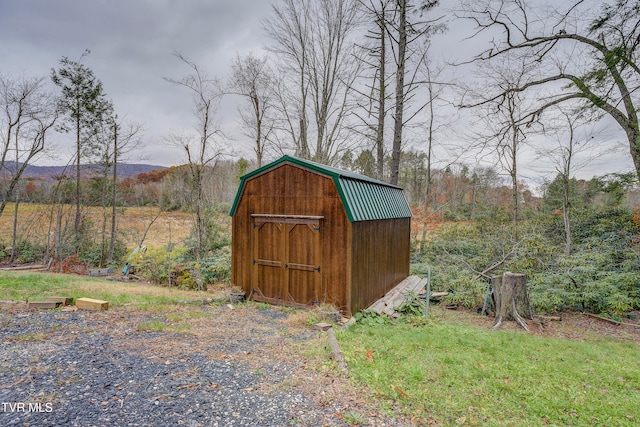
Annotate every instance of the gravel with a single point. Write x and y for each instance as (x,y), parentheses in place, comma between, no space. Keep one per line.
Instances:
(80,369)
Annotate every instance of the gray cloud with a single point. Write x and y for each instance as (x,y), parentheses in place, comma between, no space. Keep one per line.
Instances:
(131,45)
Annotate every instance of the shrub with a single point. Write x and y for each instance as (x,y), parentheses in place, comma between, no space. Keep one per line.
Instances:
(466,291)
(371,318)
(30,252)
(602,274)
(3,250)
(215,236)
(413,305)
(95,254)
(157,264)
(184,277)
(217,267)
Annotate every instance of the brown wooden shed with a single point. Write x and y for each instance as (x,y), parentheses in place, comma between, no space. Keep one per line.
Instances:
(305,233)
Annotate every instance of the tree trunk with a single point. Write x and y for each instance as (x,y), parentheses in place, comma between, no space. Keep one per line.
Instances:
(512,300)
(400,94)
(566,214)
(14,230)
(114,199)
(76,224)
(382,95)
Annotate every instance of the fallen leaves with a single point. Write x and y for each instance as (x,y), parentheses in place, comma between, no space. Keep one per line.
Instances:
(370,356)
(400,391)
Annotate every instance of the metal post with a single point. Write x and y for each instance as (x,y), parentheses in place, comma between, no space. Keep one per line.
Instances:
(426,303)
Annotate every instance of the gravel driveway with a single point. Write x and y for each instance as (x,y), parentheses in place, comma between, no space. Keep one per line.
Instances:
(203,366)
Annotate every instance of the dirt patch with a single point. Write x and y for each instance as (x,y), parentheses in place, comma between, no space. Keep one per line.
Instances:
(572,326)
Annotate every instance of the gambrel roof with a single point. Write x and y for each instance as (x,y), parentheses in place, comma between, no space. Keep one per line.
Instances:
(363,198)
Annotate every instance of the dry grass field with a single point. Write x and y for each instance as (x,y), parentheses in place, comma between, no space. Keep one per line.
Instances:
(35,222)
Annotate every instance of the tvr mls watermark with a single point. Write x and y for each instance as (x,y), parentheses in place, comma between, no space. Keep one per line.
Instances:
(26,407)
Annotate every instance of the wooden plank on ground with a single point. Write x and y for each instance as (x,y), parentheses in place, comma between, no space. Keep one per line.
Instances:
(439,294)
(45,305)
(97,272)
(418,285)
(401,297)
(382,303)
(61,300)
(398,295)
(25,267)
(92,304)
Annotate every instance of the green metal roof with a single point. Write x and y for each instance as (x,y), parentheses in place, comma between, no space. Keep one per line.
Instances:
(363,198)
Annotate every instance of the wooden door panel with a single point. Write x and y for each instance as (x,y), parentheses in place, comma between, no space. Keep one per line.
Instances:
(268,260)
(286,259)
(301,288)
(303,263)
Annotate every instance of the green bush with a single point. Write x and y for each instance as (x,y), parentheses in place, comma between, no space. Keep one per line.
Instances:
(466,291)
(216,268)
(95,254)
(371,318)
(157,264)
(29,252)
(602,274)
(413,305)
(215,236)
(3,250)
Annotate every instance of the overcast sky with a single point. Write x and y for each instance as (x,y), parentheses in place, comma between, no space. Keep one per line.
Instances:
(131,44)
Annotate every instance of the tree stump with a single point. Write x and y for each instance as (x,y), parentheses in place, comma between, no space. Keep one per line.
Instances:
(512,299)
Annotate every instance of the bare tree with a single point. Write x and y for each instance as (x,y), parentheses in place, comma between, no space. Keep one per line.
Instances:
(401,53)
(571,152)
(252,78)
(312,40)
(504,134)
(291,33)
(586,51)
(28,114)
(404,33)
(433,123)
(125,140)
(373,54)
(203,149)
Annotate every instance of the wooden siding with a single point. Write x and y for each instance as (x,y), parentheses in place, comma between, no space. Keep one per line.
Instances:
(379,259)
(288,190)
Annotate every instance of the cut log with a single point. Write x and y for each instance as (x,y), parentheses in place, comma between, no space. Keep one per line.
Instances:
(92,304)
(98,272)
(61,300)
(322,326)
(615,322)
(512,300)
(550,318)
(44,305)
(335,349)
(25,267)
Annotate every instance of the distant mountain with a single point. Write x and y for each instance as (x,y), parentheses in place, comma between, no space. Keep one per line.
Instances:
(49,172)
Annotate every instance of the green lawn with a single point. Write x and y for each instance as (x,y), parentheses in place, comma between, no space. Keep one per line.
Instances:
(20,286)
(454,374)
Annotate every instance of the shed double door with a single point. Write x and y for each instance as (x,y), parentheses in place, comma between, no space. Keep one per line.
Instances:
(286,254)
